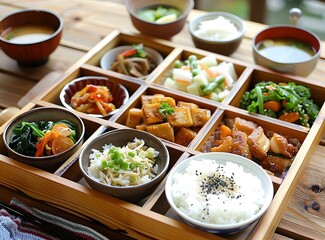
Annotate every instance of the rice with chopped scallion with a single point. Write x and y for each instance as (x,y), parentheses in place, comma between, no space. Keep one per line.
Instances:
(129,165)
(216,193)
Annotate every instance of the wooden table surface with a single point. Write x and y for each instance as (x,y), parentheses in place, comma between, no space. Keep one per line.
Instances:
(89,21)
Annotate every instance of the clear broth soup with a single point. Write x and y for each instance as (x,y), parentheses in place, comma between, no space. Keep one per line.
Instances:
(28,34)
(285,50)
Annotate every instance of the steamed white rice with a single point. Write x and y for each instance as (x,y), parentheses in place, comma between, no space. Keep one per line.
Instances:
(217,194)
(219,28)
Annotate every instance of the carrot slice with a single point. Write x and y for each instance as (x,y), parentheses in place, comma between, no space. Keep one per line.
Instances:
(49,136)
(207,70)
(290,117)
(61,143)
(225,131)
(272,105)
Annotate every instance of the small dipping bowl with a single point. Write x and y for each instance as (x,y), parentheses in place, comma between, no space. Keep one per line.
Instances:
(30,36)
(110,57)
(119,92)
(295,66)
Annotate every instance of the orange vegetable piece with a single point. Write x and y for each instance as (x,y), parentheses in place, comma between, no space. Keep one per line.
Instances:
(224,131)
(272,105)
(290,117)
(62,128)
(61,143)
(207,70)
(48,137)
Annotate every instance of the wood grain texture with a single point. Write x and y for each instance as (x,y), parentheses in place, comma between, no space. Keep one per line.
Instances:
(86,23)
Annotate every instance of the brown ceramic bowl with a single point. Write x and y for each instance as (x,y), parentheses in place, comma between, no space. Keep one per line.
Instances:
(30,36)
(223,41)
(48,163)
(119,138)
(295,66)
(119,92)
(160,30)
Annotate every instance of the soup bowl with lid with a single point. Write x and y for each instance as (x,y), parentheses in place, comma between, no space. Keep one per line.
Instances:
(30,36)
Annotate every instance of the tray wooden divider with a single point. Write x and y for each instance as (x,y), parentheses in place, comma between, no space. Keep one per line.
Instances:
(152,218)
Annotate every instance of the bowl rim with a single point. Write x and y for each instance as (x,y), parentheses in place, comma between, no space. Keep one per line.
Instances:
(84,78)
(256,51)
(31,111)
(54,34)
(116,131)
(184,14)
(196,20)
(150,51)
(219,156)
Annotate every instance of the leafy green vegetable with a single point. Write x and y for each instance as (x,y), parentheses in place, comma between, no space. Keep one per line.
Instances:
(165,109)
(140,50)
(292,97)
(26,134)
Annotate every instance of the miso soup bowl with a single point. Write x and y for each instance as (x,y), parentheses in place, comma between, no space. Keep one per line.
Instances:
(296,67)
(31,52)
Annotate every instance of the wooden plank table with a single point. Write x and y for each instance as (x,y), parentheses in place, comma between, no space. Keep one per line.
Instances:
(89,21)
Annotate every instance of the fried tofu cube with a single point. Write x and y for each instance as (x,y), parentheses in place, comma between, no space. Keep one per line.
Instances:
(181,117)
(134,117)
(192,106)
(184,136)
(141,127)
(200,117)
(163,130)
(146,99)
(150,113)
(157,98)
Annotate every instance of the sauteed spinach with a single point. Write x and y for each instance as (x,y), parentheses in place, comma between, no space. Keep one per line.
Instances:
(26,135)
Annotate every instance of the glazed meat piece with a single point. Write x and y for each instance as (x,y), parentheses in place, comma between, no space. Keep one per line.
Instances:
(280,145)
(224,145)
(240,146)
(244,125)
(275,164)
(258,143)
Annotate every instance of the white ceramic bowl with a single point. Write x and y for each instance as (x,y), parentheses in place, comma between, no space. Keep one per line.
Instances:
(221,158)
(225,46)
(110,57)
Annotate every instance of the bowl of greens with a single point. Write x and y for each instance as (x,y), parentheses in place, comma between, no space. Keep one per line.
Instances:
(159,18)
(289,102)
(44,137)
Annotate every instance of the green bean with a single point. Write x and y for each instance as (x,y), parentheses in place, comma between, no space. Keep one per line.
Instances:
(213,85)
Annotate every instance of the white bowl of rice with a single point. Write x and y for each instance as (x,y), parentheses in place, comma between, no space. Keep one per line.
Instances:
(219,192)
(218,32)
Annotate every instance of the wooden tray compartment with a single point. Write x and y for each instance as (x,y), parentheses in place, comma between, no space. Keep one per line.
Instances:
(232,113)
(183,55)
(121,117)
(120,39)
(256,76)
(151,218)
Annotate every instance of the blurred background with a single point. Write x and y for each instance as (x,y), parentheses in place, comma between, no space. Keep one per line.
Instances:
(272,11)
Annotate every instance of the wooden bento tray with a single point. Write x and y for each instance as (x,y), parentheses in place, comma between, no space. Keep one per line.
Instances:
(65,189)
